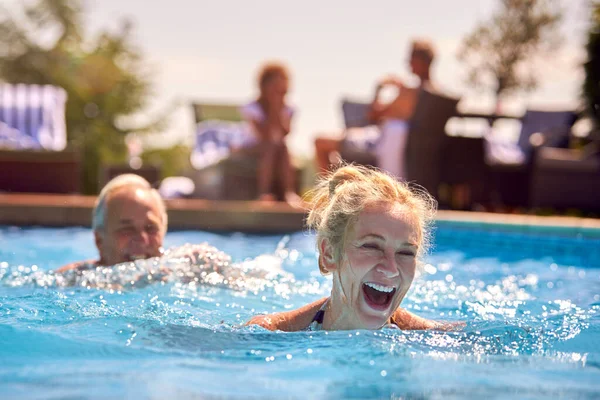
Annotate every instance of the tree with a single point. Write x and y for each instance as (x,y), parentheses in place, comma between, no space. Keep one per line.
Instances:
(104,76)
(591,84)
(497,51)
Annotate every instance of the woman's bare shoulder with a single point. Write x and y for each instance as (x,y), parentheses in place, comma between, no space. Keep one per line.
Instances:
(288,321)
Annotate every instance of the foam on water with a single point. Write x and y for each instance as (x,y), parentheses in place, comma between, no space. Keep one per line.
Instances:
(533,327)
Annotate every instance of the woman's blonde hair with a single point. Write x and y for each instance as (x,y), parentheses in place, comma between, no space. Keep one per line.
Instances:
(343,194)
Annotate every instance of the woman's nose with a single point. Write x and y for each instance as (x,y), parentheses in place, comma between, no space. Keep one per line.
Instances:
(387,267)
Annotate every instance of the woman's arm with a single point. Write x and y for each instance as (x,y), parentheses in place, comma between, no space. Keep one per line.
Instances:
(285,120)
(279,117)
(265,128)
(408,321)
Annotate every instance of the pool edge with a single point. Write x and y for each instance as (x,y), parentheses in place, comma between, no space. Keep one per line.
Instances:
(22,209)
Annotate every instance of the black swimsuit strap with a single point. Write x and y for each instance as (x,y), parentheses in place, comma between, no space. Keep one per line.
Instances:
(318,318)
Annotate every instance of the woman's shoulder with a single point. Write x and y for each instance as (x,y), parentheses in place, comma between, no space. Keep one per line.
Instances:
(252,111)
(289,321)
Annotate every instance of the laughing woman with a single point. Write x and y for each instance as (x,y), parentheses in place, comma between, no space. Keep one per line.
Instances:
(371,232)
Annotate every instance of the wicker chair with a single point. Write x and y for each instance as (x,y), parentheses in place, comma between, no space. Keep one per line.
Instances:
(426,138)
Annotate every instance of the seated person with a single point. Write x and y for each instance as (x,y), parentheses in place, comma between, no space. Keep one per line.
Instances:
(270,119)
(392,118)
(129,222)
(371,232)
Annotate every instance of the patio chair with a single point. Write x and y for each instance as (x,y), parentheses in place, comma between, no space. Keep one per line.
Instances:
(358,145)
(510,164)
(426,138)
(214,166)
(32,117)
(566,178)
(33,138)
(220,170)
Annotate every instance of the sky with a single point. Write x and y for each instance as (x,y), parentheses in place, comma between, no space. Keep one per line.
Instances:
(211,51)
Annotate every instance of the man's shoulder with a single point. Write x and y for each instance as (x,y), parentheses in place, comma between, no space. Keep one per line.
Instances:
(78,265)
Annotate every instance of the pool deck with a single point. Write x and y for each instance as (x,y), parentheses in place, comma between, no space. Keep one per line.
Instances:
(245,216)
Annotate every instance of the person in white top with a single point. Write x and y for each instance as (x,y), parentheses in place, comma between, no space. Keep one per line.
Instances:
(270,119)
(392,118)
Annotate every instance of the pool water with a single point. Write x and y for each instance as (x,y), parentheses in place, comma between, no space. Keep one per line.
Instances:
(530,299)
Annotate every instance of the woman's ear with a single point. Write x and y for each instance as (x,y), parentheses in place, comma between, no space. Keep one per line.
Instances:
(327,257)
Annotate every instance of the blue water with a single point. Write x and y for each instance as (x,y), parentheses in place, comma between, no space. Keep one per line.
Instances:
(531,301)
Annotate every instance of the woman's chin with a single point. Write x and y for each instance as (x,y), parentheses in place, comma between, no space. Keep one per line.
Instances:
(373,317)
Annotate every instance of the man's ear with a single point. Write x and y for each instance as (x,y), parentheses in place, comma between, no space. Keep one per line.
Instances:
(98,240)
(326,255)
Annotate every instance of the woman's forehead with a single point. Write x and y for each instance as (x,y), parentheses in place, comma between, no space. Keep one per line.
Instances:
(387,218)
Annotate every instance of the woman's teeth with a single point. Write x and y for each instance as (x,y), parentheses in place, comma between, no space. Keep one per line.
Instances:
(381,288)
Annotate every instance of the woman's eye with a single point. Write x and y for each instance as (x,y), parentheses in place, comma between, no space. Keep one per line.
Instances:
(370,246)
(126,230)
(152,229)
(406,253)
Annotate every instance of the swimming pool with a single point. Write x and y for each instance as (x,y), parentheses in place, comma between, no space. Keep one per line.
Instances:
(530,298)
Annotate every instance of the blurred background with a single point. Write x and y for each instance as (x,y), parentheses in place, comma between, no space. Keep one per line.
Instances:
(213,50)
(134,67)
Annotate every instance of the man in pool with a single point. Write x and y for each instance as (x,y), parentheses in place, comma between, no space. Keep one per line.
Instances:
(129,222)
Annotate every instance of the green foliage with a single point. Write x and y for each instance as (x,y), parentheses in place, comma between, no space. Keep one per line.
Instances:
(173,160)
(591,84)
(498,50)
(104,76)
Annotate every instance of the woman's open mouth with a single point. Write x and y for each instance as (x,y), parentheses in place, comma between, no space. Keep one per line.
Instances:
(378,297)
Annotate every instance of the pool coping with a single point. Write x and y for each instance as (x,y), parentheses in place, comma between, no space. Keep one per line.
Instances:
(24,209)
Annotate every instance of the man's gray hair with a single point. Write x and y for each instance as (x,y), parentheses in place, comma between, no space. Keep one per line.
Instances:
(119,182)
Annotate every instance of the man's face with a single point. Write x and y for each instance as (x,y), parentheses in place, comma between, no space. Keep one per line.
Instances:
(418,65)
(133,228)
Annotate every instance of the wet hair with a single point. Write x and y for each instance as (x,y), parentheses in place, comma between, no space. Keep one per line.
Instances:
(116,184)
(423,49)
(270,71)
(341,196)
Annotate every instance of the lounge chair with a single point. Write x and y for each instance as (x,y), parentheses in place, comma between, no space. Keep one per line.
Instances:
(510,164)
(221,170)
(33,138)
(218,130)
(566,179)
(213,164)
(32,117)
